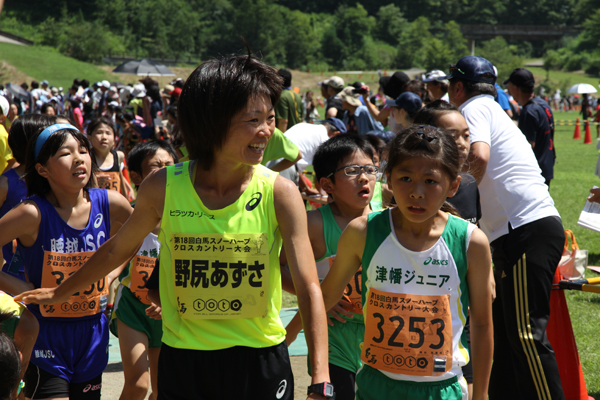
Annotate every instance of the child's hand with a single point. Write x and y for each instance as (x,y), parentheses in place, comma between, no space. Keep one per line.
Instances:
(343,307)
(154,311)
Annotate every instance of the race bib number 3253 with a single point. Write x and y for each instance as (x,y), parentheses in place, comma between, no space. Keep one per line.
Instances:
(408,334)
(59,266)
(221,276)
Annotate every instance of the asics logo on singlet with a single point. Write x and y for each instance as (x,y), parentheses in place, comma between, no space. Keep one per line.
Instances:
(281,390)
(92,387)
(254,201)
(98,221)
(435,261)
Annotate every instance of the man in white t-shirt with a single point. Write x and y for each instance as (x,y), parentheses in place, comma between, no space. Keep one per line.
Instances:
(308,137)
(525,232)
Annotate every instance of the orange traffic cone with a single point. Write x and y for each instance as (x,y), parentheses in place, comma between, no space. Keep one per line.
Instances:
(588,134)
(577,134)
(560,335)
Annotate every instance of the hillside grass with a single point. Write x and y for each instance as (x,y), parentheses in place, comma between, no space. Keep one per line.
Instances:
(45,63)
(557,77)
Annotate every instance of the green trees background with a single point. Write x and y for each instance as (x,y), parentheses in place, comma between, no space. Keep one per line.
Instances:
(304,34)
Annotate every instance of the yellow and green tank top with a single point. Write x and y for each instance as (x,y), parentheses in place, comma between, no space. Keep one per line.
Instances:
(220,282)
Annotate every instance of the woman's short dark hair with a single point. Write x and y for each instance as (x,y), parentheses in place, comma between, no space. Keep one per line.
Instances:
(214,93)
(332,152)
(37,184)
(140,152)
(430,114)
(22,129)
(100,121)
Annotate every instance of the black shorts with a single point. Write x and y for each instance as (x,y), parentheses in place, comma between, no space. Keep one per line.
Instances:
(235,373)
(40,384)
(344,382)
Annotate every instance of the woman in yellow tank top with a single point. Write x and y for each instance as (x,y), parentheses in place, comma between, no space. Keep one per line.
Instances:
(224,218)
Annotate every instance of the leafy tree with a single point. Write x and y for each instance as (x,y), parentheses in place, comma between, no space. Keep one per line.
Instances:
(504,57)
(437,55)
(390,24)
(412,42)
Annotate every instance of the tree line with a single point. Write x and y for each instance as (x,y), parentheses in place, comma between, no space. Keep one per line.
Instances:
(301,34)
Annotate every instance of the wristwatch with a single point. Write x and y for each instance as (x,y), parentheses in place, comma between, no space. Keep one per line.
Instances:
(325,389)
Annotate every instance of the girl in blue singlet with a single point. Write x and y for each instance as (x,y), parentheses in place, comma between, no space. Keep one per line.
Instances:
(59,227)
(12,186)
(421,268)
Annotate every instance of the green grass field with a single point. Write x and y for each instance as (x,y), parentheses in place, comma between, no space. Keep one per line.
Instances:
(573,177)
(44,63)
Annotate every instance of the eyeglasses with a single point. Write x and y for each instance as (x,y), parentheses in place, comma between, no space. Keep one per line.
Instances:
(354,170)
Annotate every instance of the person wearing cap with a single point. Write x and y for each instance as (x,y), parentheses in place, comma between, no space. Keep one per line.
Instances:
(288,110)
(535,120)
(437,85)
(334,86)
(6,156)
(102,102)
(138,93)
(44,86)
(404,108)
(525,232)
(359,118)
(391,86)
(38,93)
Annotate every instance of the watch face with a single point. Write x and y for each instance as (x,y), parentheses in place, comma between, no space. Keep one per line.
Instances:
(329,390)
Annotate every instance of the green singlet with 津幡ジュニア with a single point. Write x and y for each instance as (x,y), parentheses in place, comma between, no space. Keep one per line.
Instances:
(220,282)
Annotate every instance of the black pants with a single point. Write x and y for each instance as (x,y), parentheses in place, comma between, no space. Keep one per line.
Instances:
(525,261)
(235,373)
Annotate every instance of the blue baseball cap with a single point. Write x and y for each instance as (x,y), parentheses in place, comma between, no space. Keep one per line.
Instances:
(340,126)
(409,101)
(473,68)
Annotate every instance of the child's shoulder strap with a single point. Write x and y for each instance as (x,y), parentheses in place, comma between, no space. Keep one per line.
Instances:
(456,235)
(378,229)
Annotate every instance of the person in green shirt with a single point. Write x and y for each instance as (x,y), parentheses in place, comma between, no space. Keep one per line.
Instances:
(288,110)
(278,147)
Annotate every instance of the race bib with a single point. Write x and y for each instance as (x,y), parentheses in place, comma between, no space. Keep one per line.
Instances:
(408,334)
(59,266)
(221,276)
(141,269)
(353,292)
(109,180)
